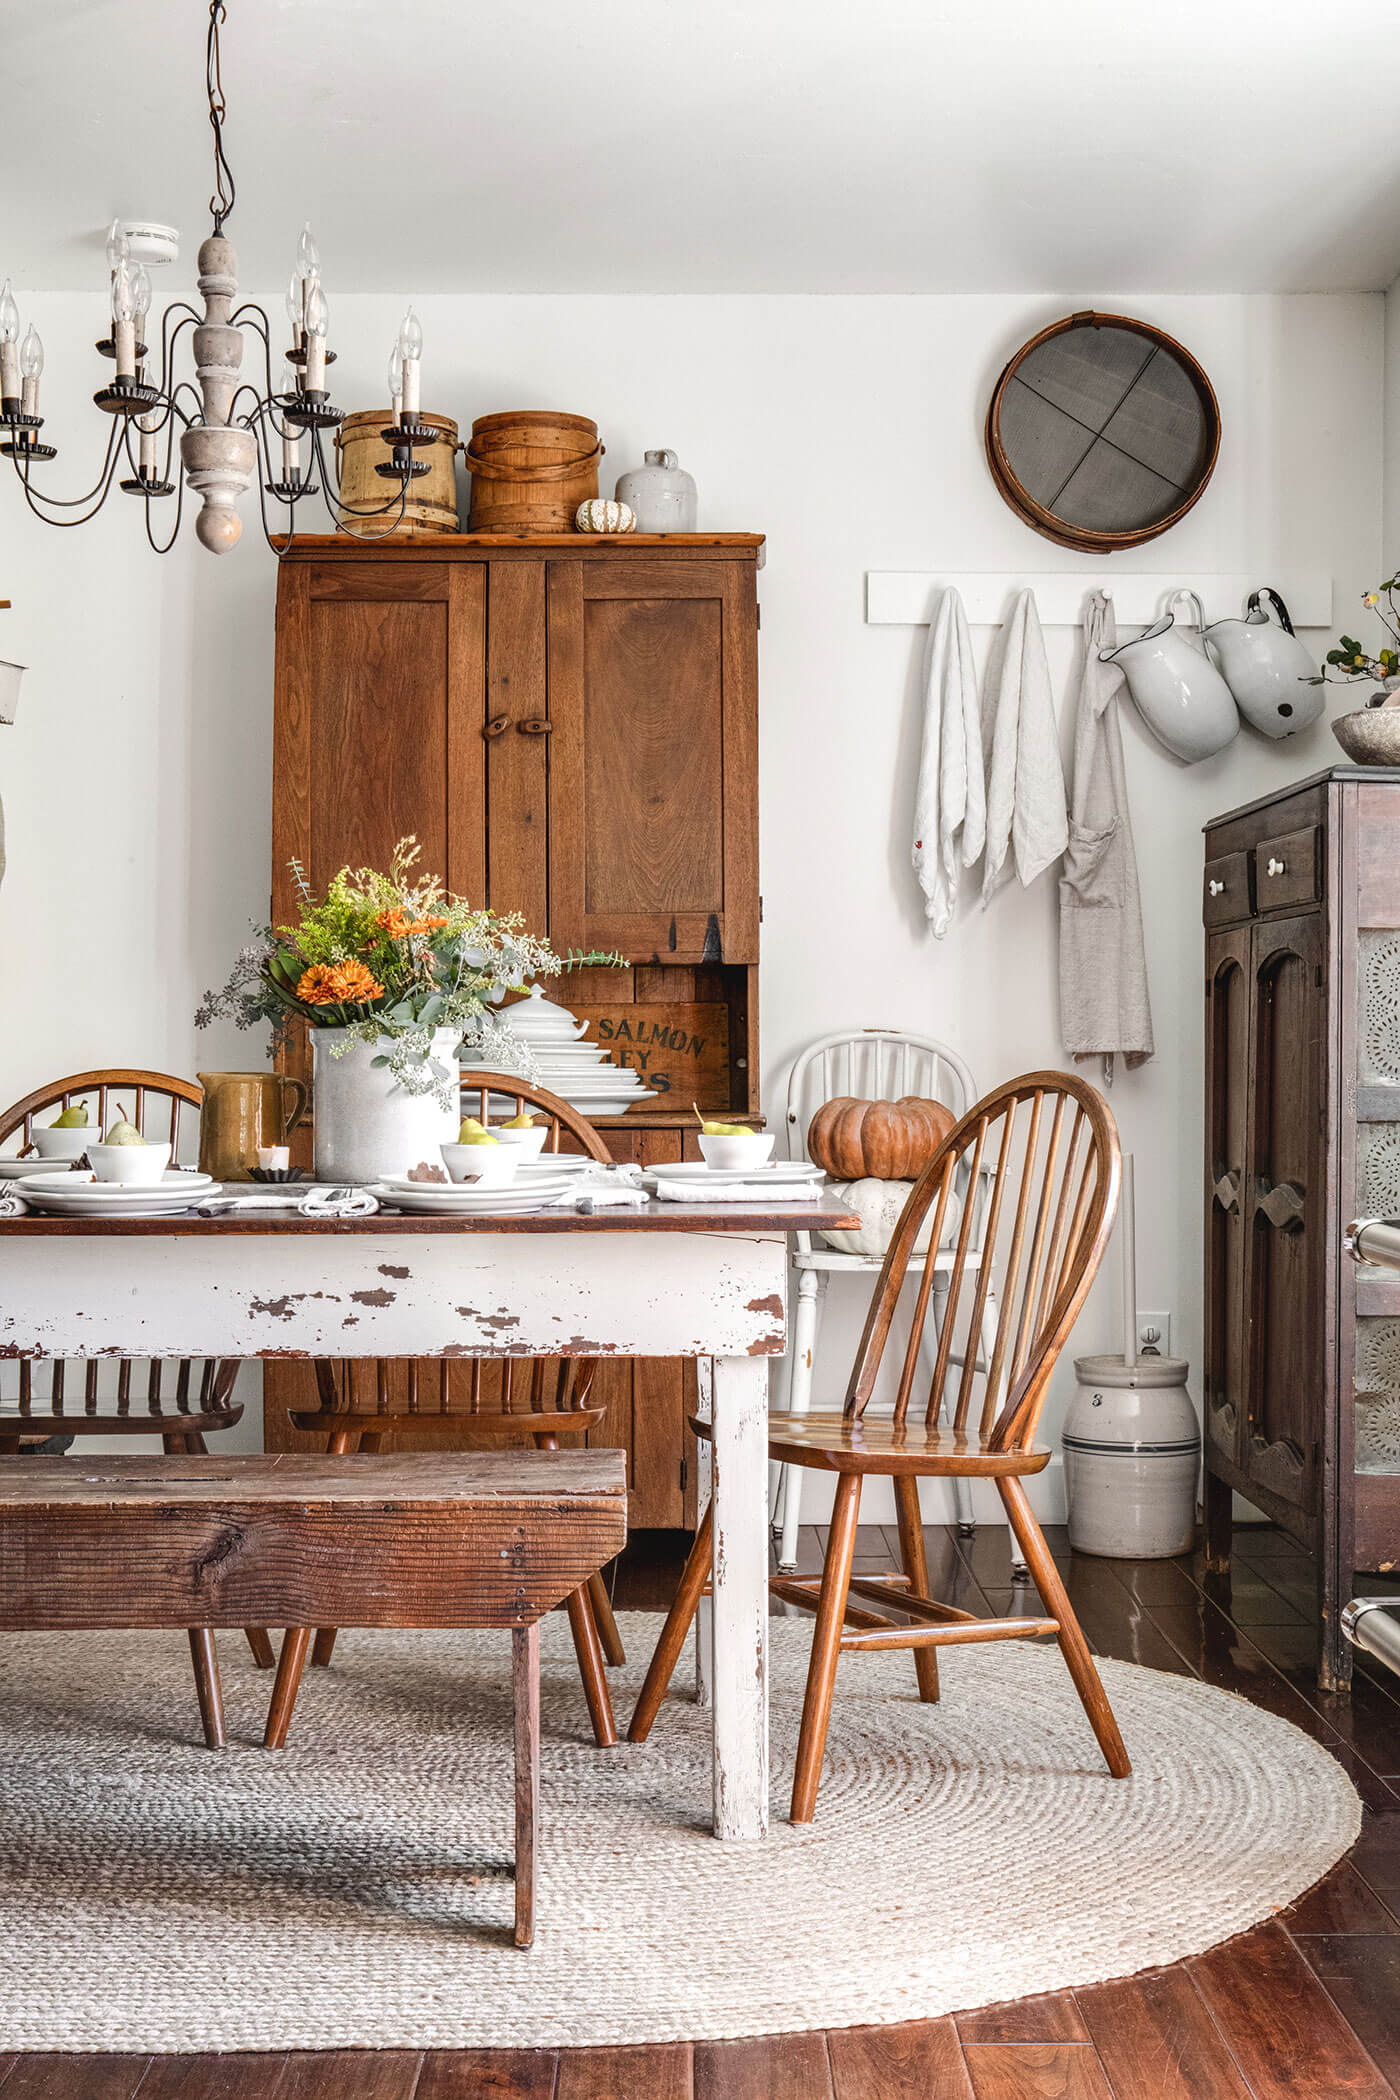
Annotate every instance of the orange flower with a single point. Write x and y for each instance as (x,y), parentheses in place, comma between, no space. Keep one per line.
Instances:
(338,984)
(395,923)
(429,925)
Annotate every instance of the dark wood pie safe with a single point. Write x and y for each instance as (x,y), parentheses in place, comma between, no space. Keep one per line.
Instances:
(569,726)
(1301,902)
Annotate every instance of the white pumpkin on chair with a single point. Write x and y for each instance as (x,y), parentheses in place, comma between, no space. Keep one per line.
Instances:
(878,1205)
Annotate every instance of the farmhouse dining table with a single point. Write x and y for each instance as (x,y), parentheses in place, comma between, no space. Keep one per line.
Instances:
(666,1280)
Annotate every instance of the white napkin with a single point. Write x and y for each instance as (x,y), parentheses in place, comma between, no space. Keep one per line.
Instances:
(12,1205)
(950,797)
(325,1200)
(735,1191)
(1026,805)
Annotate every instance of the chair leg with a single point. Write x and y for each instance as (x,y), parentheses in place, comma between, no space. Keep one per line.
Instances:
(826,1648)
(205,1657)
(295,1643)
(263,1654)
(525,1686)
(339,1444)
(662,1667)
(589,1650)
(915,1560)
(810,1290)
(1073,1645)
(608,1634)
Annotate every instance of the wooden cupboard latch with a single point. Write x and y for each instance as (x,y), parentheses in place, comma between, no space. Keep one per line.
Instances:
(534,725)
(497,725)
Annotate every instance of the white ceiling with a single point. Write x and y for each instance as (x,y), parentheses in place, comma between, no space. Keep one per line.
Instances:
(721,145)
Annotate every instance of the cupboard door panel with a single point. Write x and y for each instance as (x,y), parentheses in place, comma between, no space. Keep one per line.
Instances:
(517,756)
(1286,1207)
(1227,1143)
(378,735)
(653,816)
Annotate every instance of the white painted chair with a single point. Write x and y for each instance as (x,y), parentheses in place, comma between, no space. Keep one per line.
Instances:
(876,1064)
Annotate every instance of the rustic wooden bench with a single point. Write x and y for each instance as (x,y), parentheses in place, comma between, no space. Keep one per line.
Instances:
(462,1539)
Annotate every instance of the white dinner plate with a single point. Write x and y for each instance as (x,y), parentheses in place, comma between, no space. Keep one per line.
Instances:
(490,1203)
(398,1183)
(772,1170)
(11,1169)
(76,1196)
(551,1163)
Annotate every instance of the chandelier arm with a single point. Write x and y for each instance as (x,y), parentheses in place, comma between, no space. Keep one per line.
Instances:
(100,491)
(188,318)
(179,509)
(342,509)
(187,386)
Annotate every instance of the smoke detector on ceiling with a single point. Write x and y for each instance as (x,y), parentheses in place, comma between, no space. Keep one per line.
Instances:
(150,242)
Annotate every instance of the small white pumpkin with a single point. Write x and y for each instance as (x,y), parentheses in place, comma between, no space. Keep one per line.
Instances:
(599,516)
(878,1204)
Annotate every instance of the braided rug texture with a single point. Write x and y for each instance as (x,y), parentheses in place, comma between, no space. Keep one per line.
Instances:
(354,1890)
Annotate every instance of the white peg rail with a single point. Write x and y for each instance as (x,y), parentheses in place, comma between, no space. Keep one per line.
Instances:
(909,597)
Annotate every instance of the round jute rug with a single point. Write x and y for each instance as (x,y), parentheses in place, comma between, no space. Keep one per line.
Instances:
(354,1889)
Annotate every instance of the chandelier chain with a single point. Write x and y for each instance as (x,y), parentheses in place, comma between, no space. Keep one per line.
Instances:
(221,203)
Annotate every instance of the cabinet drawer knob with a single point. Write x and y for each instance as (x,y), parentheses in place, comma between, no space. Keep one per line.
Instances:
(1217,889)
(497,725)
(534,726)
(1276,867)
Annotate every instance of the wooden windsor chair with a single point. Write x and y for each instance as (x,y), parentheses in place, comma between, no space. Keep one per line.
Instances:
(179,1399)
(474,1401)
(1045,1150)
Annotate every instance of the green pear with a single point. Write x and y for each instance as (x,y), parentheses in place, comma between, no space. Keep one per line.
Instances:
(709,1128)
(469,1128)
(74,1118)
(122,1132)
(478,1137)
(520,1122)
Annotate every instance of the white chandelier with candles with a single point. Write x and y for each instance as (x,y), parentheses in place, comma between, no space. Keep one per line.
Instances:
(230,431)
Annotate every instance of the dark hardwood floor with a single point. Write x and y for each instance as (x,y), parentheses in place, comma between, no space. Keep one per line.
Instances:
(1306,2006)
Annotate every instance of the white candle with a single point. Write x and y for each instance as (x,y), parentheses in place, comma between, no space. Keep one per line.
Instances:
(291,453)
(30,402)
(277,1158)
(315,364)
(410,348)
(147,427)
(410,389)
(9,344)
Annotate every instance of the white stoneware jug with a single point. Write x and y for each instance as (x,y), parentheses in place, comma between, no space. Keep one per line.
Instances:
(1179,693)
(1132,1453)
(660,494)
(366,1125)
(1266,667)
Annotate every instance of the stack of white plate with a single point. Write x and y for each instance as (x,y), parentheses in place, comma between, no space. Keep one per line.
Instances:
(80,1196)
(460,1199)
(576,1070)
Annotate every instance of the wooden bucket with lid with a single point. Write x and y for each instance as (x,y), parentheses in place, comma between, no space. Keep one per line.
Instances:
(531,469)
(430,505)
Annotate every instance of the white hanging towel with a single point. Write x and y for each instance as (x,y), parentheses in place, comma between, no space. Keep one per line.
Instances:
(1104,1007)
(950,803)
(1025,780)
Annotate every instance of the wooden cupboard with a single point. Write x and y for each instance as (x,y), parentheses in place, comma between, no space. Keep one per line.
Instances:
(569,727)
(1301,903)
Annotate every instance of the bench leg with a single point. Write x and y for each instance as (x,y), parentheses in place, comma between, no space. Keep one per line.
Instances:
(206,1684)
(607,1624)
(261,1647)
(525,1684)
(340,1443)
(295,1643)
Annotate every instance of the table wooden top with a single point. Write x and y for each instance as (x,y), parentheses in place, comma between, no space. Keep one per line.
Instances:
(390,1480)
(821,1215)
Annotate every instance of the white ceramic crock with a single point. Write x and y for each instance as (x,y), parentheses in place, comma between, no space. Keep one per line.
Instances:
(1132,1449)
(366,1124)
(660,494)
(1179,693)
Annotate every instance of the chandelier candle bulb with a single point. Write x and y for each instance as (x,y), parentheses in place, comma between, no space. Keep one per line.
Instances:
(411,353)
(124,322)
(396,383)
(31,365)
(9,346)
(317,322)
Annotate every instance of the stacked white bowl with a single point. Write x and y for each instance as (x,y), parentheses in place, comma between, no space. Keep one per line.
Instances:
(576,1070)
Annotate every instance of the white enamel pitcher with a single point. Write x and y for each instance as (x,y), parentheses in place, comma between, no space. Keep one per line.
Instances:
(1266,667)
(1180,694)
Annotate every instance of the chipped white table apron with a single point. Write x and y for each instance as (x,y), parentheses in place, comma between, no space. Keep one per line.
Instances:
(710,1285)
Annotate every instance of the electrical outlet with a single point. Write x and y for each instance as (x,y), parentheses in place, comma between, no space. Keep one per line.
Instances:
(1154,1332)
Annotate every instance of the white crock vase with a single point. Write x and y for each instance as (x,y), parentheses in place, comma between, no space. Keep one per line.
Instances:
(366,1124)
(1132,1448)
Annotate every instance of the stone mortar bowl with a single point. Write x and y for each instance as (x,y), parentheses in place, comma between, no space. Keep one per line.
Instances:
(1371,736)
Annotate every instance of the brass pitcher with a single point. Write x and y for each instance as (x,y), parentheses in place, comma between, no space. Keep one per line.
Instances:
(240,1111)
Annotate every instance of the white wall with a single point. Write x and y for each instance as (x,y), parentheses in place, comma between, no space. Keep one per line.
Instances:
(136,784)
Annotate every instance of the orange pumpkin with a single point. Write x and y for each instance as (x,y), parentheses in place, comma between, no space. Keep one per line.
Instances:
(877,1140)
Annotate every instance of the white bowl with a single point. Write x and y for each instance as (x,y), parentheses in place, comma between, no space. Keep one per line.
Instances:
(528,1144)
(65,1144)
(134,1166)
(487,1166)
(737,1152)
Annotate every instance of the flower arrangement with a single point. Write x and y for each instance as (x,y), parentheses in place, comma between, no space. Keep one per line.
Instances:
(391,958)
(1350,660)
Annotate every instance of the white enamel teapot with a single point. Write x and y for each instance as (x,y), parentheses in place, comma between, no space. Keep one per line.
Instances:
(1266,667)
(1180,694)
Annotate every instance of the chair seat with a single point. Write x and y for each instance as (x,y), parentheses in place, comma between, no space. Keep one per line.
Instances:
(140,1421)
(874,1444)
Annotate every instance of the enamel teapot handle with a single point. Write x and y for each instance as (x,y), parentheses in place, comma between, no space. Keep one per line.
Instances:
(1191,599)
(1256,604)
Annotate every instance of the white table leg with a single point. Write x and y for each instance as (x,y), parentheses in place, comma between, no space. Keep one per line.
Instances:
(704,1487)
(740,1444)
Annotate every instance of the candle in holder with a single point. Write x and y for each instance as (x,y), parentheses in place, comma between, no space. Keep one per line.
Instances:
(410,353)
(317,322)
(274,1159)
(9,345)
(396,383)
(291,436)
(31,364)
(124,322)
(148,425)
